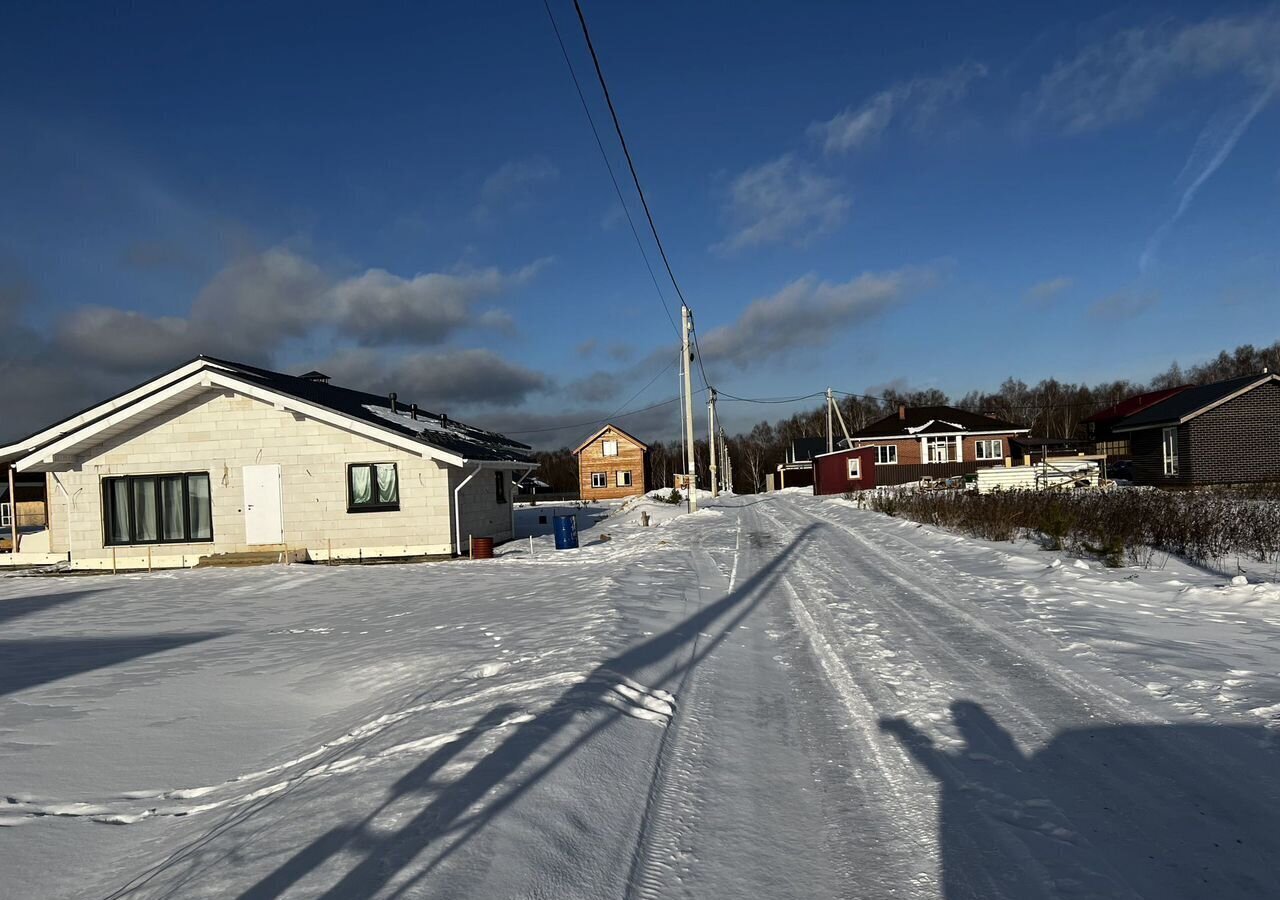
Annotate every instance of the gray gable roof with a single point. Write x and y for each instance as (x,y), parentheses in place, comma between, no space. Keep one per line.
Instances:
(1189,403)
(430,428)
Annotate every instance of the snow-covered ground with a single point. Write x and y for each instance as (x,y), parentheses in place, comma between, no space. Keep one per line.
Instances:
(779,696)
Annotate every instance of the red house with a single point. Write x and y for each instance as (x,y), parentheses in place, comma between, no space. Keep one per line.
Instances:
(844,470)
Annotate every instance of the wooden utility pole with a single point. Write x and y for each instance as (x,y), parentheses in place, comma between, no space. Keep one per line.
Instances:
(711,441)
(727,462)
(686,320)
(831,439)
(831,404)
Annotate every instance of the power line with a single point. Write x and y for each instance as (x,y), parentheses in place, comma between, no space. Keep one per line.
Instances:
(665,370)
(617,126)
(608,165)
(725,396)
(603,421)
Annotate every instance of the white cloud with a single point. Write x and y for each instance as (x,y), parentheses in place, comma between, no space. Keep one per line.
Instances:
(513,186)
(915,104)
(1118,79)
(1122,305)
(807,313)
(782,201)
(1043,292)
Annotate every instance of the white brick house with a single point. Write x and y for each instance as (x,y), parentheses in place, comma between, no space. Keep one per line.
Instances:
(216,457)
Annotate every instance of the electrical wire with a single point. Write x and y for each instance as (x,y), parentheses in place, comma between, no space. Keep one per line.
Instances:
(603,421)
(723,396)
(608,165)
(617,126)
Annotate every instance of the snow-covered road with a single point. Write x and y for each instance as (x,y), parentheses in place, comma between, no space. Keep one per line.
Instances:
(780,696)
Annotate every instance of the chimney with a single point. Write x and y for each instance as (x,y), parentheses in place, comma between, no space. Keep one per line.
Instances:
(444,421)
(392,398)
(902,412)
(413,411)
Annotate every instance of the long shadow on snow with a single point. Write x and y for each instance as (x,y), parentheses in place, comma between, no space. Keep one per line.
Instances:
(386,855)
(1132,811)
(35,661)
(26,606)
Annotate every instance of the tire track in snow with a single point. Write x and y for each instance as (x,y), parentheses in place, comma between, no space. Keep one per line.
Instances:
(668,815)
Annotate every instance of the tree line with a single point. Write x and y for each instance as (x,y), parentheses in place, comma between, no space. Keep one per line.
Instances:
(1051,409)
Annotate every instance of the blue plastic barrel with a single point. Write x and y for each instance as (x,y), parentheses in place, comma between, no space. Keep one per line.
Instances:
(566,532)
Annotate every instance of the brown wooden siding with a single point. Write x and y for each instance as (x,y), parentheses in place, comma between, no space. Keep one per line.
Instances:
(630,458)
(900,474)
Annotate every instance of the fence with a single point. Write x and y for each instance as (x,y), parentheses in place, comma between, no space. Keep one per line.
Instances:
(901,474)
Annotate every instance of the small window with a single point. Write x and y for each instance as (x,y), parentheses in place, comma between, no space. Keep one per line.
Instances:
(156,509)
(373,487)
(599,479)
(609,448)
(992,449)
(624,479)
(855,468)
(887,455)
(1169,450)
(500,482)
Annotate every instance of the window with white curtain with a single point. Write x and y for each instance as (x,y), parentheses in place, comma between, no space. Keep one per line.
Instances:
(624,479)
(992,449)
(1169,450)
(156,509)
(609,448)
(944,448)
(373,487)
(855,468)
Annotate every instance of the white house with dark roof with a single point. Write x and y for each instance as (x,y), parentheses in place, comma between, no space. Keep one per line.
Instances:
(215,457)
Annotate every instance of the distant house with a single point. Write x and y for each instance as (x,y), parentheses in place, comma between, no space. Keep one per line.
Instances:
(1221,433)
(221,458)
(611,464)
(796,470)
(935,441)
(1101,425)
(844,470)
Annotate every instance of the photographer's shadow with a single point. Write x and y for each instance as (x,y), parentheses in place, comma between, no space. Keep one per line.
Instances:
(1159,812)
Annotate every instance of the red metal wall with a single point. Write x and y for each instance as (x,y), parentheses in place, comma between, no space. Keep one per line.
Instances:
(831,471)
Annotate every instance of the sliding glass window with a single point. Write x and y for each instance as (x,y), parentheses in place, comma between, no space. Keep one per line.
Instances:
(157,509)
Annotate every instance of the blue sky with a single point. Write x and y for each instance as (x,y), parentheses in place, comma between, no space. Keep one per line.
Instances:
(411,199)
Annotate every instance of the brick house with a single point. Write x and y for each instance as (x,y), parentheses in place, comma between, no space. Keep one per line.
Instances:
(611,464)
(935,441)
(1227,432)
(216,457)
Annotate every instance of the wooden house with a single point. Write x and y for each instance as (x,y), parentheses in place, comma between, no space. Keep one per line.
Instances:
(611,464)
(935,441)
(1227,432)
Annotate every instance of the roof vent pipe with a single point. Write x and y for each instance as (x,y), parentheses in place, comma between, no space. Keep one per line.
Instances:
(392,398)
(902,411)
(413,411)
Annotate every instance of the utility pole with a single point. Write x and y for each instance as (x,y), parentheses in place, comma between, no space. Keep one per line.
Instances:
(686,321)
(711,441)
(830,435)
(727,461)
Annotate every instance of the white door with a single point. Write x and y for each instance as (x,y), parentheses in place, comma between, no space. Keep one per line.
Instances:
(263,521)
